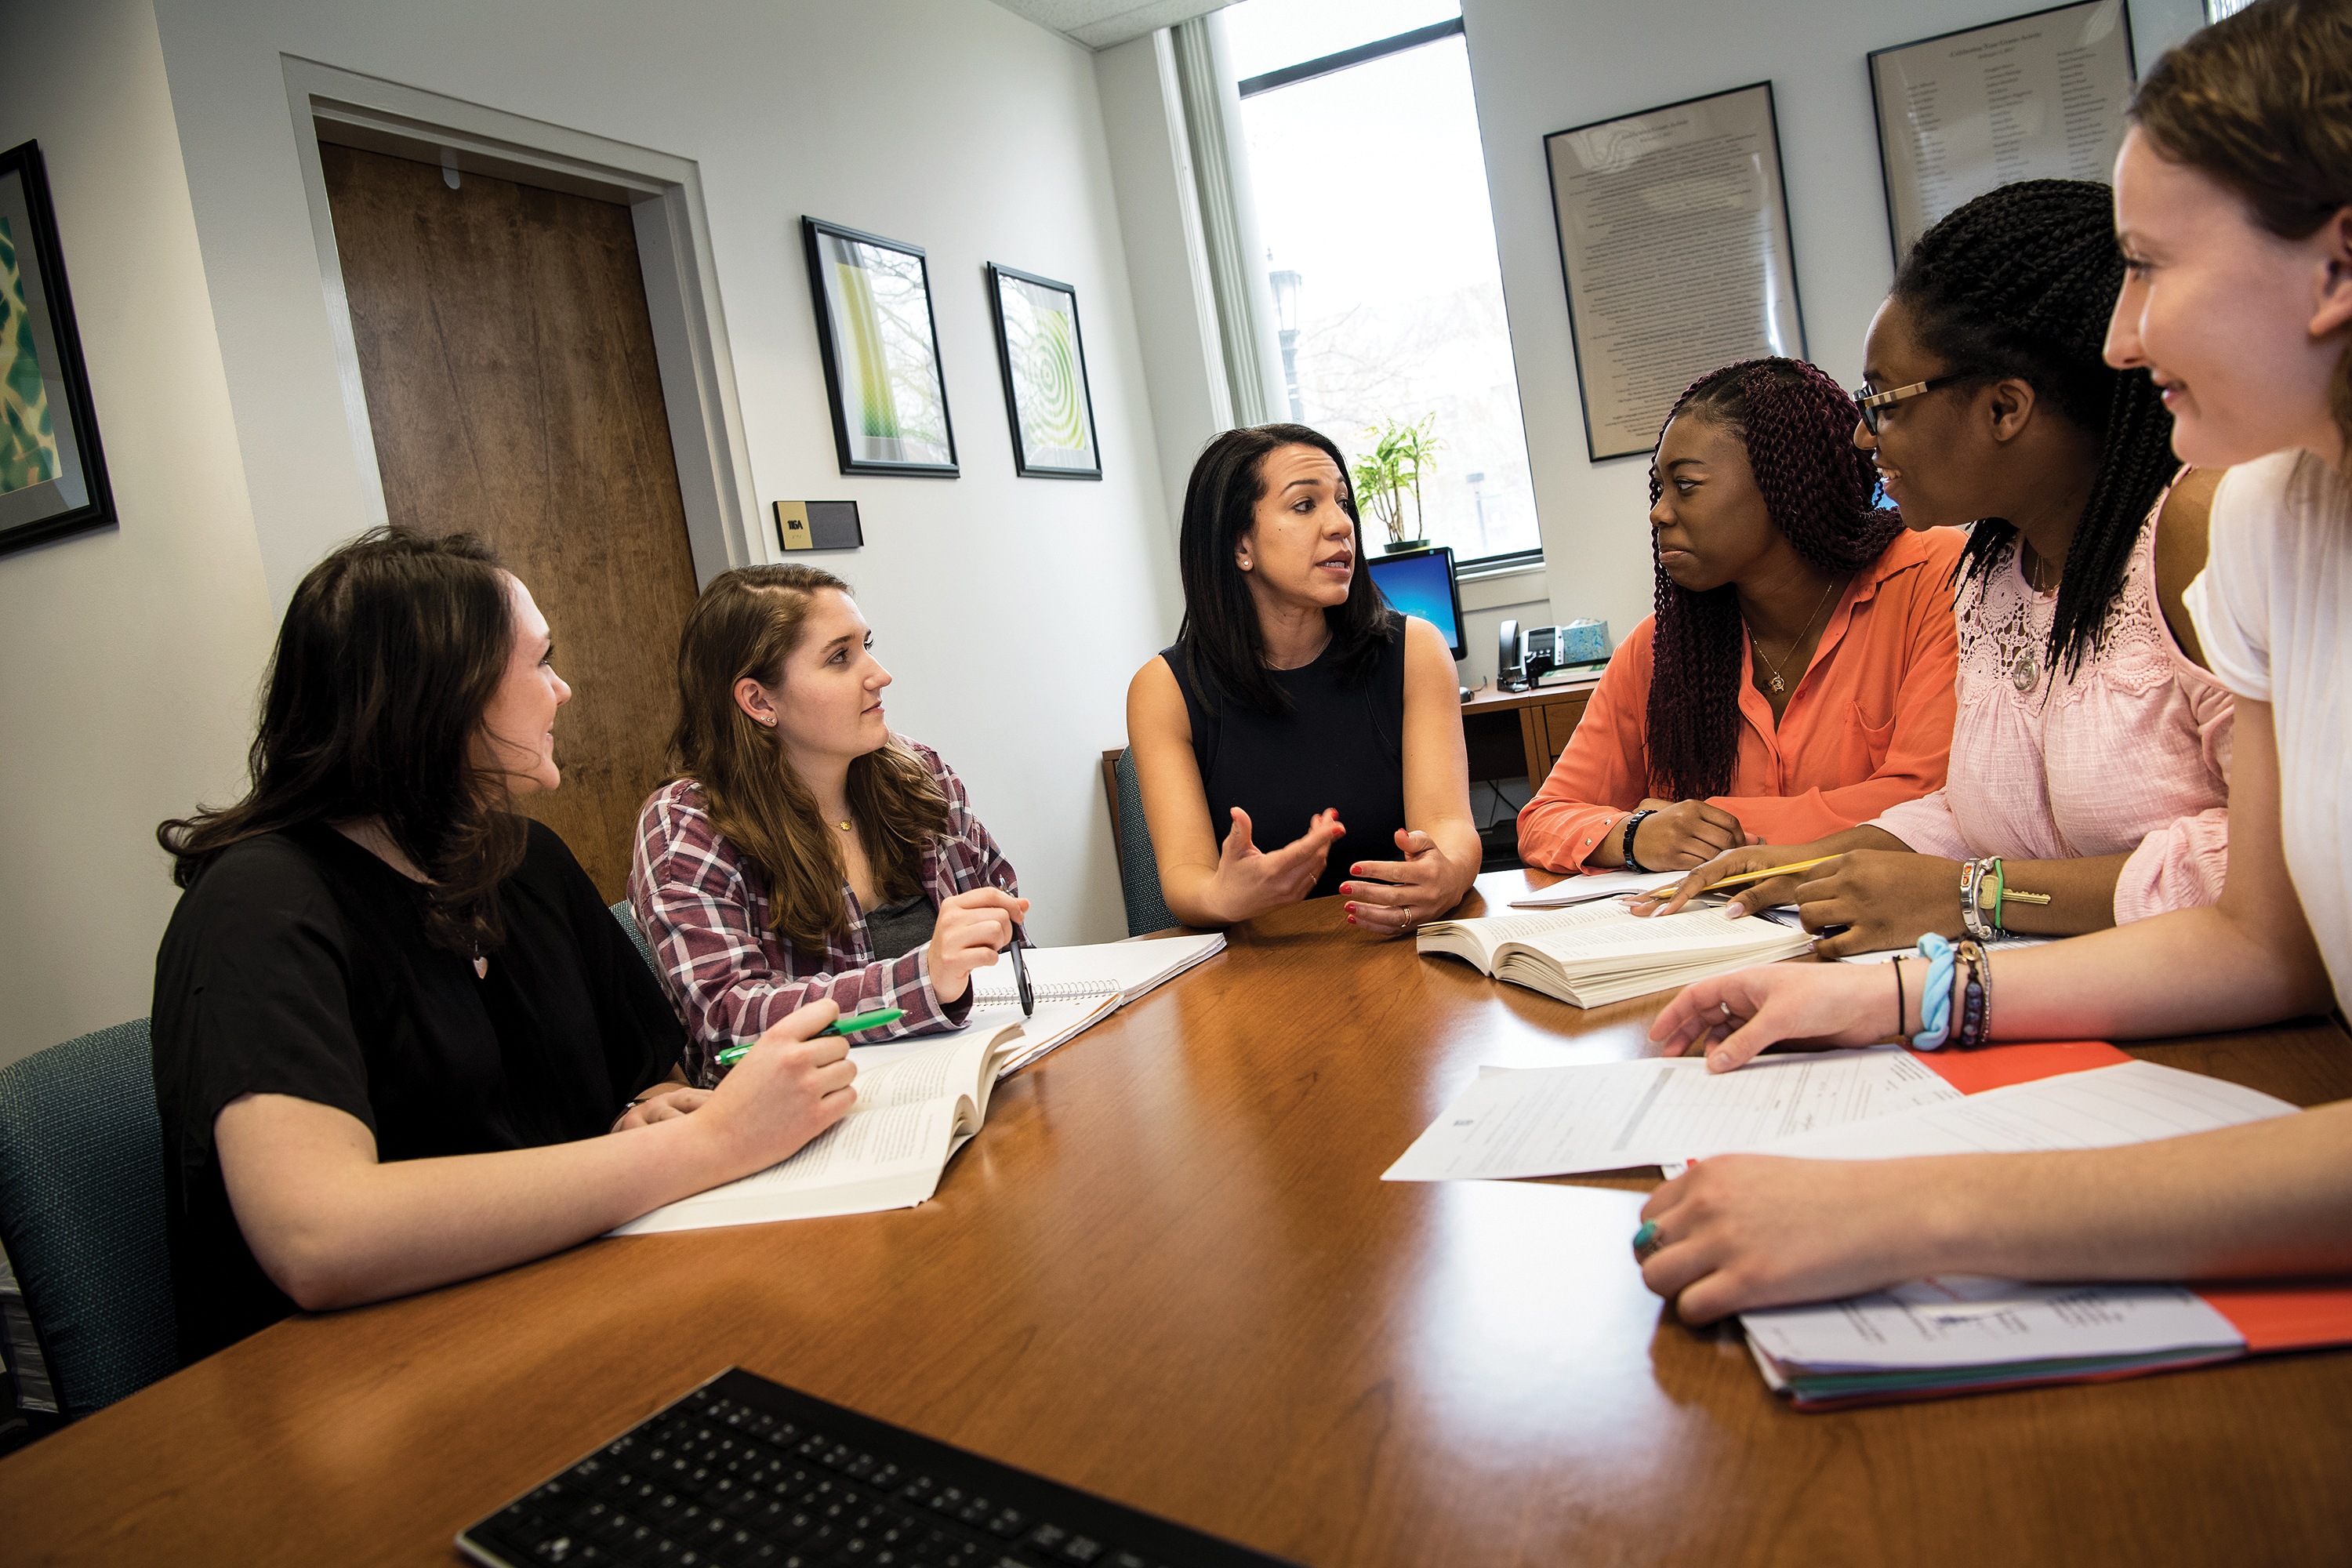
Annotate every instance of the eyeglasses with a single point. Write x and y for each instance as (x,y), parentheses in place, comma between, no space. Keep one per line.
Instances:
(1870,402)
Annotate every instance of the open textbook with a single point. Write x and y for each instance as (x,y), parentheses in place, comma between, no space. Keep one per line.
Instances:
(920,1099)
(1600,885)
(1600,953)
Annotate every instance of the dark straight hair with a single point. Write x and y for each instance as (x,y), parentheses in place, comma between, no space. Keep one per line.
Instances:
(387,659)
(1221,634)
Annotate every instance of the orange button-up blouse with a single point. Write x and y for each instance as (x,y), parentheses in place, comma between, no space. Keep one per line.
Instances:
(1869,724)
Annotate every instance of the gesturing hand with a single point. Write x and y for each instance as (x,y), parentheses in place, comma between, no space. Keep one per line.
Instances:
(972,928)
(1250,880)
(1408,891)
(1686,834)
(791,1086)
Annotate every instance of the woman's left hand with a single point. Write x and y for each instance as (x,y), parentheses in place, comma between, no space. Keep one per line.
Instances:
(1422,887)
(1750,1230)
(1883,898)
(665,1104)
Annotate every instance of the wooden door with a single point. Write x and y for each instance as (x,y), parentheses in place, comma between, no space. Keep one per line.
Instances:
(508,363)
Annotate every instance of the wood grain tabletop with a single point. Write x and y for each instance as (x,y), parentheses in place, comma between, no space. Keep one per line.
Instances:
(1167,1270)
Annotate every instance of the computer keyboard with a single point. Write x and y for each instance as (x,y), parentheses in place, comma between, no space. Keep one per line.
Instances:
(746,1473)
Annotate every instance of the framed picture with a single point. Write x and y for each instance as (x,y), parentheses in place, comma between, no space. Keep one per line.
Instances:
(881,346)
(1044,364)
(52,474)
(1674,243)
(2039,95)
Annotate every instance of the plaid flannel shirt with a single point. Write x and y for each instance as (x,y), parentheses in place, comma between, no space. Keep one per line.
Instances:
(704,907)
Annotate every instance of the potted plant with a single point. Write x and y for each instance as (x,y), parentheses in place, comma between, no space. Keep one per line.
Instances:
(1400,453)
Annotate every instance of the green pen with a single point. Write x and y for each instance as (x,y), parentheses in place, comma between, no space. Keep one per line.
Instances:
(864,1021)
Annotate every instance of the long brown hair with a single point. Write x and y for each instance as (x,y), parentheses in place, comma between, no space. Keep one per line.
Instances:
(2261,101)
(747,623)
(390,653)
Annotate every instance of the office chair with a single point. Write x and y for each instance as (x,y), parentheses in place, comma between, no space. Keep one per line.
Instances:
(1138,870)
(629,923)
(81,1214)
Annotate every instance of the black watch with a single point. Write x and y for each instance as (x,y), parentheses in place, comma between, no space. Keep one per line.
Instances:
(1634,826)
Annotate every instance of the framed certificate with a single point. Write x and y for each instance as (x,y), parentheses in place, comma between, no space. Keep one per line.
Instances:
(2038,97)
(1674,243)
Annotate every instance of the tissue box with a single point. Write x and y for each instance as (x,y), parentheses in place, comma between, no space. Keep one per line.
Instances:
(1583,642)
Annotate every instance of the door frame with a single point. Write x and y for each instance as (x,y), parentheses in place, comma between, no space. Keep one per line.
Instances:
(664,194)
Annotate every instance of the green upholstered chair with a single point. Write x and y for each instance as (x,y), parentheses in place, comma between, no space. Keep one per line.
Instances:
(81,1214)
(629,923)
(1138,869)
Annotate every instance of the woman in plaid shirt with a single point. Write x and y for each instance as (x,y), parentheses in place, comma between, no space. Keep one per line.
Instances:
(804,852)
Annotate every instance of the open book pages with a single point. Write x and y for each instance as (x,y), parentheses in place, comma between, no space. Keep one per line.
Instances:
(1608,1116)
(1587,889)
(1603,952)
(1124,970)
(914,1111)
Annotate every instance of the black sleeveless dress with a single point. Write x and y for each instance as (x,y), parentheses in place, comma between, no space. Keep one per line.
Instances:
(1339,745)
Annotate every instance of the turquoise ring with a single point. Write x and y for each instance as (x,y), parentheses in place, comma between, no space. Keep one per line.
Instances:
(1647,1241)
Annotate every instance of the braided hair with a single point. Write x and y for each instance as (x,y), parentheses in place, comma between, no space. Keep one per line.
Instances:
(2019,283)
(1797,427)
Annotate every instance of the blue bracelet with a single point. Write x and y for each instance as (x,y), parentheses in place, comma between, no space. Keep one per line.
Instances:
(1935,996)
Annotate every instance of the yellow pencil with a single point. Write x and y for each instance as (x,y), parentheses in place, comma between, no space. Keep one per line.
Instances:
(1744,876)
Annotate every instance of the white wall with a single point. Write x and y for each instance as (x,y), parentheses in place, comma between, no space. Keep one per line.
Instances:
(131,654)
(1541,65)
(1013,611)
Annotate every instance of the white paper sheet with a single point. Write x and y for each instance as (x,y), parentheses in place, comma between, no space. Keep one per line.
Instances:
(1963,1321)
(1551,1121)
(2130,1102)
(1585,889)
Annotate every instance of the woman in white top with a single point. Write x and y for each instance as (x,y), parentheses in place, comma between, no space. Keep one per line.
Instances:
(2233,203)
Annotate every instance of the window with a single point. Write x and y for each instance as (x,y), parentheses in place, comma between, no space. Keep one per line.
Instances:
(1370,190)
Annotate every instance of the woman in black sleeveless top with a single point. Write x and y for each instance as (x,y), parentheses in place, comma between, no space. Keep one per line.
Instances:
(1295,701)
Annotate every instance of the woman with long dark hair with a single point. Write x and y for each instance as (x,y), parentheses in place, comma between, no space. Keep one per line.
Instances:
(1797,676)
(804,851)
(2090,763)
(391,1018)
(2233,203)
(1294,701)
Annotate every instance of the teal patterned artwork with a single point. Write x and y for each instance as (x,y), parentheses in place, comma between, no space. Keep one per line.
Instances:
(28,438)
(1044,368)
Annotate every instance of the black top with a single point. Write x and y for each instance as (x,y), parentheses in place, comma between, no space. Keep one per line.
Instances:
(298,964)
(1339,745)
(897,929)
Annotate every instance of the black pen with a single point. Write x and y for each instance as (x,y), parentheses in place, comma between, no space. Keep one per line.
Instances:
(1021,978)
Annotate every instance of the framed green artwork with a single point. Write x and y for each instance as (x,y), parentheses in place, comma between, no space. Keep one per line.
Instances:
(52,474)
(1044,364)
(881,347)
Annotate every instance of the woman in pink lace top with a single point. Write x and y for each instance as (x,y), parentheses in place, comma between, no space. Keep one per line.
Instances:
(2092,748)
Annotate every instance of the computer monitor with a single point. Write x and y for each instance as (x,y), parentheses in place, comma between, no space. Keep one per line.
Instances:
(1420,583)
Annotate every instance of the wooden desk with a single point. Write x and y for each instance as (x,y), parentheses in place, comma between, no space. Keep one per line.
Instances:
(1541,720)
(1168,1270)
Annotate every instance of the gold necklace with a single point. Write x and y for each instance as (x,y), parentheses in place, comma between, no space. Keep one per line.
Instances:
(842,825)
(1777,684)
(2034,576)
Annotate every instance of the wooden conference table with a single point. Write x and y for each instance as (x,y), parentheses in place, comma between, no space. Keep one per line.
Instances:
(1167,1270)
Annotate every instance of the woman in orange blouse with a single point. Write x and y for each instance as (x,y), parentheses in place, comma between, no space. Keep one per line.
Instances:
(1797,678)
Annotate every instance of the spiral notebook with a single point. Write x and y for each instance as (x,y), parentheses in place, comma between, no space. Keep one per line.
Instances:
(1122,969)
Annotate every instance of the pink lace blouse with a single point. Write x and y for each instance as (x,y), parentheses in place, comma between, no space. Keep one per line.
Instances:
(2132,755)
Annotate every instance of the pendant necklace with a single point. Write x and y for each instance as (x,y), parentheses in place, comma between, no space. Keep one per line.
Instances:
(2028,668)
(1773,669)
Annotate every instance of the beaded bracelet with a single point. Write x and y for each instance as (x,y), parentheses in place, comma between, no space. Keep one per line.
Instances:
(1935,996)
(1974,998)
(1632,825)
